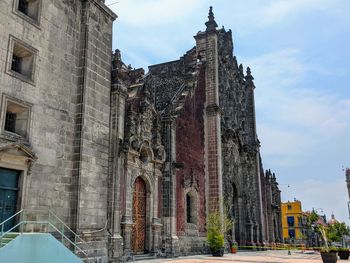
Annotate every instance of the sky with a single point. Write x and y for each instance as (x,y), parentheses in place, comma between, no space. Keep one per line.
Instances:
(299,54)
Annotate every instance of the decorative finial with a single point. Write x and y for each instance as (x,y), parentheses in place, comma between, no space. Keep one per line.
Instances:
(249,73)
(249,78)
(211,24)
(240,70)
(117,56)
(211,14)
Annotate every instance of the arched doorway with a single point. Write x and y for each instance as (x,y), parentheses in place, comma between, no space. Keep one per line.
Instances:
(139,216)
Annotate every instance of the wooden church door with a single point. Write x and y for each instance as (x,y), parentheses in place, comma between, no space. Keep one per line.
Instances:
(139,216)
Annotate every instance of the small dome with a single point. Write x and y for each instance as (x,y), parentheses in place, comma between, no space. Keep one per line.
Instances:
(332,221)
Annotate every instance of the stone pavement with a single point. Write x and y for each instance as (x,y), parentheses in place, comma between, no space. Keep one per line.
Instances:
(249,257)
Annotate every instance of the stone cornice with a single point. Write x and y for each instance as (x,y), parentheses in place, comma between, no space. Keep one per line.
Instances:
(102,6)
(120,89)
(213,109)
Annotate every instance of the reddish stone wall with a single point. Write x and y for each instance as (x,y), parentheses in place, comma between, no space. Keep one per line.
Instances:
(190,152)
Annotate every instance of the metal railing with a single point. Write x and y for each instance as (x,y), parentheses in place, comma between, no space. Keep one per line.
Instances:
(38,221)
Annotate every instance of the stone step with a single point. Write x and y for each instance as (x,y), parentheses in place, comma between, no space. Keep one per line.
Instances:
(143,257)
(7,238)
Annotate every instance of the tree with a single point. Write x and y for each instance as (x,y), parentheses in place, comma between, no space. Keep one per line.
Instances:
(312,218)
(336,231)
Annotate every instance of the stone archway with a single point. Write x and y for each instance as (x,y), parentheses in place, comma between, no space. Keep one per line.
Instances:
(139,214)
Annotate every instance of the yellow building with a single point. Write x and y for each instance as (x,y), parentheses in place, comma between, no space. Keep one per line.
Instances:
(292,222)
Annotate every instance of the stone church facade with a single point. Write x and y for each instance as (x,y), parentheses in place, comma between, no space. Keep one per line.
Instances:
(132,162)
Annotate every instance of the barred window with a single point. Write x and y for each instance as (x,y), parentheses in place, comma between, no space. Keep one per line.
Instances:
(10,121)
(21,62)
(16,118)
(23,6)
(16,63)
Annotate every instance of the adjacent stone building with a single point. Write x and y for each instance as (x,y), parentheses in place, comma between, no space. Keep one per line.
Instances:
(55,88)
(132,162)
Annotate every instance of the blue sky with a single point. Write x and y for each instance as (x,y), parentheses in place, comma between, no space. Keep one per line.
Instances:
(299,54)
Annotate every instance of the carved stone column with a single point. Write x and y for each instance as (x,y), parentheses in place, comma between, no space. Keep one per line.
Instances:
(169,188)
(249,234)
(156,228)
(127,225)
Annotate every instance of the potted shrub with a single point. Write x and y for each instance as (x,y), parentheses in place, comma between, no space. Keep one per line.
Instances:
(328,254)
(216,243)
(234,248)
(343,253)
(216,227)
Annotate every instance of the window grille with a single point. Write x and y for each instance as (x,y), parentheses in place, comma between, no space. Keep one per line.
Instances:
(23,6)
(16,63)
(10,122)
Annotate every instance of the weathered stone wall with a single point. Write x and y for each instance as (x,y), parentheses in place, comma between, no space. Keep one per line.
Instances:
(190,152)
(193,245)
(92,126)
(93,116)
(241,174)
(51,182)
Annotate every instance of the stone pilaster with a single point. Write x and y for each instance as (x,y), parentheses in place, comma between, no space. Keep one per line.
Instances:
(207,49)
(156,229)
(127,225)
(169,188)
(118,97)
(255,145)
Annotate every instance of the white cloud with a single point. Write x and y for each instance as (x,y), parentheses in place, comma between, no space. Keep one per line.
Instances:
(283,9)
(293,120)
(138,13)
(279,141)
(331,196)
(297,122)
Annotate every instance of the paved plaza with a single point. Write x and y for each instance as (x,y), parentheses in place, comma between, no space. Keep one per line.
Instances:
(249,257)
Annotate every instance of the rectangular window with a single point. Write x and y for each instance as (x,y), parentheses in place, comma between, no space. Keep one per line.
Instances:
(29,8)
(22,60)
(21,63)
(188,208)
(289,207)
(16,118)
(290,221)
(291,233)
